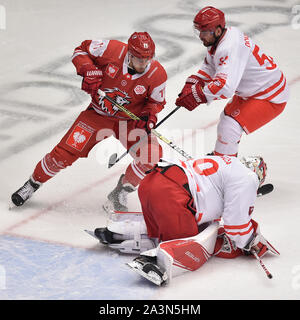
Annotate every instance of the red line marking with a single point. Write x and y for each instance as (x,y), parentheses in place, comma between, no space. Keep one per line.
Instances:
(51,207)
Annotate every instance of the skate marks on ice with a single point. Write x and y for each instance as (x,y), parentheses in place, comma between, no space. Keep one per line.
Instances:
(39,270)
(59,86)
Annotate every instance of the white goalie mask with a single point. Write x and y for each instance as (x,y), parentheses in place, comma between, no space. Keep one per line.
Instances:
(257,165)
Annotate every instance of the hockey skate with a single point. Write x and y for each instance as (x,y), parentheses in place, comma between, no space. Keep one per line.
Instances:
(19,197)
(148,268)
(121,242)
(124,232)
(117,199)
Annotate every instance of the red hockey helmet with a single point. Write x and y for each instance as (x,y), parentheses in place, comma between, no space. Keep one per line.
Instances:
(141,45)
(209,18)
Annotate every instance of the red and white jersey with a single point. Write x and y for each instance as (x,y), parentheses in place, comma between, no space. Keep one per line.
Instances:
(222,187)
(240,67)
(133,92)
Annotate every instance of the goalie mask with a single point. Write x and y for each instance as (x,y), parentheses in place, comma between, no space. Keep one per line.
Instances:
(257,165)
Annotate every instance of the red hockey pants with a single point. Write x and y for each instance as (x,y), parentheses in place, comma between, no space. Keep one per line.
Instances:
(89,129)
(167,204)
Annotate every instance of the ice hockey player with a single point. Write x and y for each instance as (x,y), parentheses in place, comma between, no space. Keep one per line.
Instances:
(234,67)
(192,210)
(129,74)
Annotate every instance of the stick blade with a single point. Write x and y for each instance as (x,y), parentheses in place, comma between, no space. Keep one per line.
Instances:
(112,160)
(265,189)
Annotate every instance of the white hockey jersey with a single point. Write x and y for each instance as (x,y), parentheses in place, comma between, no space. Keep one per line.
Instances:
(239,67)
(222,187)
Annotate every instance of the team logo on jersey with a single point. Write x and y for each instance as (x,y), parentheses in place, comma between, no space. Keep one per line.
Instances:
(223,60)
(139,89)
(111,70)
(121,98)
(79,137)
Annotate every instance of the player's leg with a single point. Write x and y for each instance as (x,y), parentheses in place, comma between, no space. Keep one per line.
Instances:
(176,257)
(166,205)
(76,143)
(243,115)
(145,157)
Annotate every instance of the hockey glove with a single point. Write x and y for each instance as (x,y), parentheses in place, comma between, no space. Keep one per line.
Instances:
(193,79)
(148,119)
(92,79)
(226,248)
(191,97)
(258,243)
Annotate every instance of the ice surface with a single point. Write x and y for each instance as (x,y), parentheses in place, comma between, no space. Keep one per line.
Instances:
(43,250)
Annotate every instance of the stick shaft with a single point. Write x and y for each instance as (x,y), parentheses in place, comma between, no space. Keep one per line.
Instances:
(268,273)
(133,147)
(157,134)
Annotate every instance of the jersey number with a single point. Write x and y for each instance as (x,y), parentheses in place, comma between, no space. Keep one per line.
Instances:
(208,171)
(262,58)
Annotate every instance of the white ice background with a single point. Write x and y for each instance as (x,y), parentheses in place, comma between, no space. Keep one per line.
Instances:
(44,252)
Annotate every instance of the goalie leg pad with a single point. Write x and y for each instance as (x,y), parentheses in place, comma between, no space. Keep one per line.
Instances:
(187,254)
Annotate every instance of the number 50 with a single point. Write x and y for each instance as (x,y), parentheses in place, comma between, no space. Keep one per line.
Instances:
(296,19)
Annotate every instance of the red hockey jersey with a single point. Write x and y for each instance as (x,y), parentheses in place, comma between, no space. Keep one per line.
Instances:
(134,92)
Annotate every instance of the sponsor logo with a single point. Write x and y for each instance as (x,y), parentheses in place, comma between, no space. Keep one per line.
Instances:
(139,89)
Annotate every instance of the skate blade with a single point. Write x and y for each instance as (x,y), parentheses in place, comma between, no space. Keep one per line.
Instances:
(151,276)
(91,233)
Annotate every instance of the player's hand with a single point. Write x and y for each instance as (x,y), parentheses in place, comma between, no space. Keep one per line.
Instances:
(191,97)
(193,79)
(147,122)
(225,247)
(92,79)
(258,243)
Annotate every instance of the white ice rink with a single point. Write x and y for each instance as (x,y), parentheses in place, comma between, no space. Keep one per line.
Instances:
(44,252)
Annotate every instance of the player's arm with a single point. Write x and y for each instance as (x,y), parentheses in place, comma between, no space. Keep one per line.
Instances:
(155,101)
(84,60)
(230,66)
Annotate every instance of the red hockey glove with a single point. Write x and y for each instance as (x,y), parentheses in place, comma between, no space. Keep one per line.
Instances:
(191,97)
(92,79)
(193,79)
(147,122)
(258,243)
(148,116)
(226,248)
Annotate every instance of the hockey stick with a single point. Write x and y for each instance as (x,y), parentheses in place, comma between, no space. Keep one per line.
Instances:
(114,157)
(134,117)
(268,273)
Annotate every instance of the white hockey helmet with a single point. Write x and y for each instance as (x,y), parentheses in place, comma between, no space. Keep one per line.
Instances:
(257,165)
